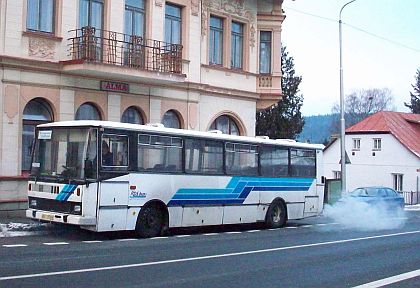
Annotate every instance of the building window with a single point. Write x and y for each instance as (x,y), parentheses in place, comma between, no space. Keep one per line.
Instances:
(336,174)
(91,13)
(173,24)
(37,111)
(265,52)
(171,120)
(132,115)
(237,45)
(225,124)
(216,41)
(356,143)
(377,143)
(40,16)
(87,111)
(398,182)
(134,18)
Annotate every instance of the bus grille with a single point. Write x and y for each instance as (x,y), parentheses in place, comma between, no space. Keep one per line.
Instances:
(54,205)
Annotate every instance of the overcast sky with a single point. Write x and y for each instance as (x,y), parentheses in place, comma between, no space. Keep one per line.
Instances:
(385,55)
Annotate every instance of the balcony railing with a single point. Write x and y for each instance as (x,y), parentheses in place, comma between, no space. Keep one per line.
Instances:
(102,46)
(265,81)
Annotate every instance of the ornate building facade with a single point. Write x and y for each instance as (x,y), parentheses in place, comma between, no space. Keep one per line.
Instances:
(188,64)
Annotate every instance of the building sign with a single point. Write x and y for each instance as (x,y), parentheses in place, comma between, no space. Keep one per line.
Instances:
(115,86)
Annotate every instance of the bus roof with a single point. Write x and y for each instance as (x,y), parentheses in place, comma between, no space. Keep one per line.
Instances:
(180,132)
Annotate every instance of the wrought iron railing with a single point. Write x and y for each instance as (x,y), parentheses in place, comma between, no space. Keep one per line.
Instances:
(103,46)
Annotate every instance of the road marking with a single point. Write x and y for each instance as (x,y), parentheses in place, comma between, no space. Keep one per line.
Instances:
(211,234)
(136,265)
(274,229)
(306,226)
(15,245)
(55,243)
(182,236)
(390,280)
(164,237)
(233,232)
(92,241)
(291,227)
(253,231)
(128,239)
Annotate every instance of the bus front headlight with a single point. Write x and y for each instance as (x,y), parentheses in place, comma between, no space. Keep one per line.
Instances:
(77,208)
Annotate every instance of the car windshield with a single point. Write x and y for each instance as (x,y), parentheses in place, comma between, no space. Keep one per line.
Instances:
(366,192)
(61,153)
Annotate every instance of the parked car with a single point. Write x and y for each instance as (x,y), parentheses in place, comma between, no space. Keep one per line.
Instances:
(377,196)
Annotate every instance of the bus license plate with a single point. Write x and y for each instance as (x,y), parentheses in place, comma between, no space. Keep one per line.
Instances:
(47,217)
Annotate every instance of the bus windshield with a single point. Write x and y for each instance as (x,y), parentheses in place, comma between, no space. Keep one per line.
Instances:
(64,153)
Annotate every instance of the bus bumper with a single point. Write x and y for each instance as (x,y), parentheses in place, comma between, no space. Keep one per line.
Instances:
(60,217)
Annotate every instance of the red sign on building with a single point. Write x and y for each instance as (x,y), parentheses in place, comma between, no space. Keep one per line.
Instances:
(115,86)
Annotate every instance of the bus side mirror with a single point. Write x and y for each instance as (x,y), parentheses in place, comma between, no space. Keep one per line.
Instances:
(88,168)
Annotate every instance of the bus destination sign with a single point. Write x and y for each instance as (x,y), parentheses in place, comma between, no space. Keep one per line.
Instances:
(115,86)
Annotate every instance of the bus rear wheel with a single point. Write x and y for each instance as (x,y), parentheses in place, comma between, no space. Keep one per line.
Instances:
(150,221)
(276,216)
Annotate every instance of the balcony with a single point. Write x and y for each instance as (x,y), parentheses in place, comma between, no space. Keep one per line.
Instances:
(143,57)
(269,88)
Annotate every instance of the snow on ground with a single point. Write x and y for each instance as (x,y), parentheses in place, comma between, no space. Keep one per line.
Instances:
(14,229)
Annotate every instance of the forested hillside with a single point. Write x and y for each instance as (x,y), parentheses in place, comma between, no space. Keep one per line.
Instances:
(317,129)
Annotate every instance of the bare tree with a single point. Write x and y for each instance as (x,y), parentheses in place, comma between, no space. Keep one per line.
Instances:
(361,104)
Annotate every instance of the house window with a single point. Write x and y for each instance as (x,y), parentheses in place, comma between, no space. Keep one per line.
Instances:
(237,45)
(398,181)
(134,17)
(336,174)
(132,115)
(91,13)
(356,143)
(377,144)
(265,52)
(216,41)
(37,111)
(40,16)
(87,111)
(225,124)
(171,120)
(173,24)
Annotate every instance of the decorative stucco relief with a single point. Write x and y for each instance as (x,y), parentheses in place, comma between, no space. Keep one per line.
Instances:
(42,48)
(159,3)
(195,7)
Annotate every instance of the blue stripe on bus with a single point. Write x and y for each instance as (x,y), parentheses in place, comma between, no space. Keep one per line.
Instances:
(238,189)
(66,192)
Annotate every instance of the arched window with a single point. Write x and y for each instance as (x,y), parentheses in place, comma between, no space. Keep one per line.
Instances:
(171,120)
(225,124)
(87,111)
(132,115)
(37,111)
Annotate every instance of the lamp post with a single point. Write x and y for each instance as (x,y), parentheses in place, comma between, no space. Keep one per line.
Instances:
(342,121)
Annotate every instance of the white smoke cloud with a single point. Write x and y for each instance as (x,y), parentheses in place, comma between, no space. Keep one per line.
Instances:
(355,214)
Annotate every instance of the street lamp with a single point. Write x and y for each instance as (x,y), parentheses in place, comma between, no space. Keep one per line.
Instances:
(342,121)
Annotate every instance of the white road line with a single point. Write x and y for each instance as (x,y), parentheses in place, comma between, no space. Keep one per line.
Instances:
(182,236)
(233,232)
(55,243)
(274,229)
(211,234)
(291,227)
(203,257)
(253,231)
(92,241)
(15,245)
(390,280)
(306,226)
(164,237)
(128,239)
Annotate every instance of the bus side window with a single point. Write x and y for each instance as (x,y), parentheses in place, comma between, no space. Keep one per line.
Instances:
(114,150)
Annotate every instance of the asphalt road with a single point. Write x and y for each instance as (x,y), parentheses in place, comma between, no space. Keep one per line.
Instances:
(307,253)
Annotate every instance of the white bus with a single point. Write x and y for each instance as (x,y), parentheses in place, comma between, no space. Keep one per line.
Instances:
(149,178)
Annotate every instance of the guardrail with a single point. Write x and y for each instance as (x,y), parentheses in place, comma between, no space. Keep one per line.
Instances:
(410,197)
(103,46)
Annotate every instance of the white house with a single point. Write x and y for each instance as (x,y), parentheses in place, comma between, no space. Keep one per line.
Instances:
(384,150)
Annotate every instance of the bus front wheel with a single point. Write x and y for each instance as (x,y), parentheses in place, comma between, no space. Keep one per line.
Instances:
(276,214)
(150,221)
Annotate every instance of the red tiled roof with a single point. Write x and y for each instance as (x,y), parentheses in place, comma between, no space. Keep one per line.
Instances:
(404,126)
